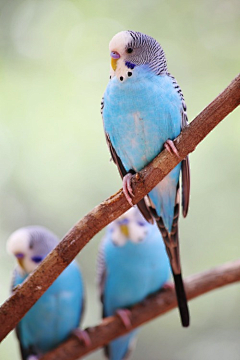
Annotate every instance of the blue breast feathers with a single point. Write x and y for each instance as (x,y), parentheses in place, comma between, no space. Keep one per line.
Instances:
(55,314)
(133,271)
(139,115)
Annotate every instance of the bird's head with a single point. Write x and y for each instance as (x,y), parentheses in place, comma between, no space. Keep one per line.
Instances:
(131,226)
(30,245)
(130,49)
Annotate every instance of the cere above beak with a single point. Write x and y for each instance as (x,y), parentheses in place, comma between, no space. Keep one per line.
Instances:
(19,255)
(115,55)
(114,58)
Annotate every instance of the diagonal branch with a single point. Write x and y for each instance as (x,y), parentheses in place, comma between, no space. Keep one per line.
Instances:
(153,306)
(38,282)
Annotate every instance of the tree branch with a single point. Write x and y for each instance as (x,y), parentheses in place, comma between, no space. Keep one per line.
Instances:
(38,282)
(153,306)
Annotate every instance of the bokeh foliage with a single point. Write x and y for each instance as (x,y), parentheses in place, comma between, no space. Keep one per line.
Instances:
(54,64)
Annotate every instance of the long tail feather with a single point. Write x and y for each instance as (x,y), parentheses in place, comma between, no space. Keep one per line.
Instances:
(182,300)
(172,247)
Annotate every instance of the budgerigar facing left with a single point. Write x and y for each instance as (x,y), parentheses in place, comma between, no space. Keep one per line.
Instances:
(58,312)
(143,111)
(132,263)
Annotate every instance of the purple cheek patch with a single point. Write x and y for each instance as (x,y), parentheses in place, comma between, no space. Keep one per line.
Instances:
(130,65)
(37,259)
(141,223)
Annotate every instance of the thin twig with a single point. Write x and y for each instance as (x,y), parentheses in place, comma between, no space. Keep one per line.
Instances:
(38,282)
(156,305)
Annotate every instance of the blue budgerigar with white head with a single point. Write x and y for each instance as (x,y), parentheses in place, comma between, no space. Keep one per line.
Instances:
(143,110)
(132,263)
(58,312)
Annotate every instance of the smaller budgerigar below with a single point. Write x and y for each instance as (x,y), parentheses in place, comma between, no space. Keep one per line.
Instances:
(58,312)
(132,264)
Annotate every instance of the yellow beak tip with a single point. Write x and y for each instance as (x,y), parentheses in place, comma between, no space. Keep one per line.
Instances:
(114,63)
(124,230)
(20,262)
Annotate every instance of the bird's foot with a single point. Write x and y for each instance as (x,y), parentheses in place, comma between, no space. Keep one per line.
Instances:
(127,188)
(16,288)
(125,316)
(171,148)
(82,336)
(33,357)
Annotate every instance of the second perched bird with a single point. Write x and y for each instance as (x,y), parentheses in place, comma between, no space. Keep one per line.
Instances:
(132,263)
(143,111)
(58,312)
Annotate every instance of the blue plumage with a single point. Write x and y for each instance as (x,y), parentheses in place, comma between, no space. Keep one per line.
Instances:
(59,310)
(139,116)
(143,111)
(53,317)
(132,265)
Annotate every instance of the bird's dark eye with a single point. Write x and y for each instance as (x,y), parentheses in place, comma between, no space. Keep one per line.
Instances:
(129,50)
(37,259)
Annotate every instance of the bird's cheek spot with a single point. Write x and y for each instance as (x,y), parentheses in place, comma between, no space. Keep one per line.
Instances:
(130,65)
(37,259)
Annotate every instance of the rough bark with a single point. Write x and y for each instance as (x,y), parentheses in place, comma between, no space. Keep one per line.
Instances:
(153,306)
(38,282)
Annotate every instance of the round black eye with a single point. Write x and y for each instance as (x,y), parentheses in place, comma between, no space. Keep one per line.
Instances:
(129,50)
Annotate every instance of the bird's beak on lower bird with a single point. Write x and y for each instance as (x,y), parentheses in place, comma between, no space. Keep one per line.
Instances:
(114,58)
(124,230)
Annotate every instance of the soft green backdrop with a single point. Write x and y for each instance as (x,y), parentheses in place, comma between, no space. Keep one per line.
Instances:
(54,64)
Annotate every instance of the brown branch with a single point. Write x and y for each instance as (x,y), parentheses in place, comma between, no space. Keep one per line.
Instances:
(38,282)
(156,305)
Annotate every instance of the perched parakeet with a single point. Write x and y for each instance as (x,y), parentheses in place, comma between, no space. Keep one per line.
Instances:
(132,263)
(58,312)
(143,110)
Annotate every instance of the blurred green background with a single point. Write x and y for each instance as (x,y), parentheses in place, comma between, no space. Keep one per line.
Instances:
(54,65)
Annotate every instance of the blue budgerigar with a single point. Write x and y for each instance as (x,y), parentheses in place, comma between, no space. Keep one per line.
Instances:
(58,312)
(132,263)
(143,111)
